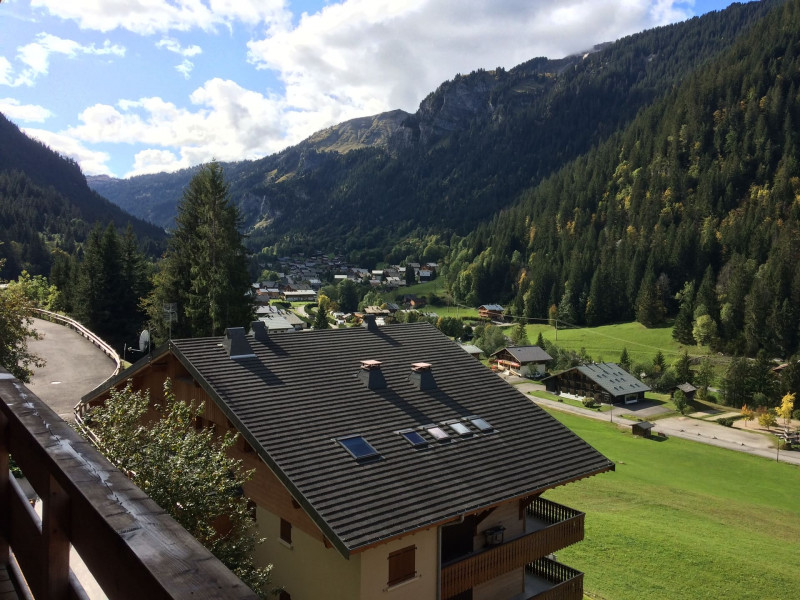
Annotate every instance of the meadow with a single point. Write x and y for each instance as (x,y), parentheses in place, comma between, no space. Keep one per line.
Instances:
(679,519)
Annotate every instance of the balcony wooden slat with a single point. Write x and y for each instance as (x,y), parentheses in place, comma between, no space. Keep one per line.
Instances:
(477,568)
(130,545)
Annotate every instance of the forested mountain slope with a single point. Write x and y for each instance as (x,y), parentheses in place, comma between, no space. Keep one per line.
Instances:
(699,196)
(45,201)
(471,148)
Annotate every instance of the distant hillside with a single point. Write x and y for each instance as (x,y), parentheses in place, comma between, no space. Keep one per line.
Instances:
(470,149)
(45,201)
(691,211)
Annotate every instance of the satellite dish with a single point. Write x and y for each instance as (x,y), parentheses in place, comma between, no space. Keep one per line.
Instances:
(144,341)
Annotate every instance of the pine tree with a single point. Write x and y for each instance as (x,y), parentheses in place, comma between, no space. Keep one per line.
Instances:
(204,271)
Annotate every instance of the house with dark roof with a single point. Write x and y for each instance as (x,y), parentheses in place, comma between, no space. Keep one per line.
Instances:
(605,382)
(387,460)
(527,361)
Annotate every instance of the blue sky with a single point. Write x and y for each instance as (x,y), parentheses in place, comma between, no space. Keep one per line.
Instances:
(128,87)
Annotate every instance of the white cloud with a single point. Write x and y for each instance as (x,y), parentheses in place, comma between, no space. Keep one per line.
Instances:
(354,58)
(360,57)
(30,113)
(92,162)
(147,17)
(173,45)
(228,123)
(35,57)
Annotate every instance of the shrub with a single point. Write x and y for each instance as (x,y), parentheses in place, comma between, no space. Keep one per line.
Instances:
(589,402)
(796,415)
(727,421)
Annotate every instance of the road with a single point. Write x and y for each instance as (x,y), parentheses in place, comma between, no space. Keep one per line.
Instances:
(74,366)
(688,427)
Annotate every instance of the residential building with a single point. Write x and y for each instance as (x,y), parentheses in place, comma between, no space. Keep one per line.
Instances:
(605,382)
(491,311)
(388,462)
(527,361)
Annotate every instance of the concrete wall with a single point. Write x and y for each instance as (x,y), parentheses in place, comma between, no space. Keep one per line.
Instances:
(306,569)
(375,569)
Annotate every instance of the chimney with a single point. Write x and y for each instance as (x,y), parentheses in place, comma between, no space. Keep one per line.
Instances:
(236,344)
(259,331)
(421,376)
(369,322)
(371,375)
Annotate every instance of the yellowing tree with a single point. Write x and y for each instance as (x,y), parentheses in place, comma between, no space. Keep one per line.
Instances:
(786,408)
(748,414)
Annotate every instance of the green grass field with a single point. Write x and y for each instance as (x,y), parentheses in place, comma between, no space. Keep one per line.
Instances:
(607,341)
(679,519)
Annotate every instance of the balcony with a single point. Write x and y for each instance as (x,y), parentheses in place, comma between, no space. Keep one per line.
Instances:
(128,544)
(549,527)
(546,579)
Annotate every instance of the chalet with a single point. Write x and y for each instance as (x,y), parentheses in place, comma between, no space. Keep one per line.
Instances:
(527,361)
(386,461)
(413,301)
(605,382)
(491,311)
(300,296)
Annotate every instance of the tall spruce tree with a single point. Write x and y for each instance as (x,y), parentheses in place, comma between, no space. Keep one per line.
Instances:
(204,271)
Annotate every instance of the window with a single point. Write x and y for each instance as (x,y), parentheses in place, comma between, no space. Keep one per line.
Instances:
(286,531)
(414,438)
(401,565)
(439,433)
(358,447)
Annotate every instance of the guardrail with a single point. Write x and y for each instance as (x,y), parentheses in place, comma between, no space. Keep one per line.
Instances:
(131,547)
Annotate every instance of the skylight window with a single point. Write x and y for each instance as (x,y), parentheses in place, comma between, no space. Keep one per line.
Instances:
(414,438)
(439,433)
(482,424)
(358,447)
(460,428)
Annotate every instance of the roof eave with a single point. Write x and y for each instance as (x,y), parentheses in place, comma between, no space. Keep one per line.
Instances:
(264,456)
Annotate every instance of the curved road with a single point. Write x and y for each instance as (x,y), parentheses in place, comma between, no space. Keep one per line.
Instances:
(74,366)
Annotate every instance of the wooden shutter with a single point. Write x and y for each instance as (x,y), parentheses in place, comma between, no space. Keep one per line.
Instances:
(401,565)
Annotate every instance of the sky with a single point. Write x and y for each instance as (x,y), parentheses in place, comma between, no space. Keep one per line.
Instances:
(129,87)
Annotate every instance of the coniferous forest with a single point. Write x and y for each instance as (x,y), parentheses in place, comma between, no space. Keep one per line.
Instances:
(690,211)
(654,178)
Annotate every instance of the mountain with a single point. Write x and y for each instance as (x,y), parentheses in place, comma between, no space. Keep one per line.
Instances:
(45,202)
(474,145)
(691,211)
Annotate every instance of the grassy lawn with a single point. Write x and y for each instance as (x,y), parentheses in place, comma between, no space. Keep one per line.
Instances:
(607,341)
(680,519)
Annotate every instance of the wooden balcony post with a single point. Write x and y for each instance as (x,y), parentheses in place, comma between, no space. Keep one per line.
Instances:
(55,542)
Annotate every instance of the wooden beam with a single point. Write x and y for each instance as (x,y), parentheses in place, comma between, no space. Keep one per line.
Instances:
(55,542)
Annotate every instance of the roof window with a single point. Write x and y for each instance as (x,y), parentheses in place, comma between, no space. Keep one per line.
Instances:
(481,424)
(358,447)
(438,433)
(414,438)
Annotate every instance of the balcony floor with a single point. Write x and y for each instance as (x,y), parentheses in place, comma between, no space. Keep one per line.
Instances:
(7,590)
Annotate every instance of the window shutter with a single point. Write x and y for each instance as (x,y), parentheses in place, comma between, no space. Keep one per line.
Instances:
(402,565)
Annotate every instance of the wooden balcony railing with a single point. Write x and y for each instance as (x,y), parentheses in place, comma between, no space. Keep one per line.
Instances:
(131,547)
(567,582)
(564,528)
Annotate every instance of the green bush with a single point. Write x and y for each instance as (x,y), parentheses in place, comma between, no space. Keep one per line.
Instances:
(589,402)
(796,415)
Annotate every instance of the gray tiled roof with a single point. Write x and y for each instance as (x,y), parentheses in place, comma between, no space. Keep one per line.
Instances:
(526,354)
(613,379)
(300,392)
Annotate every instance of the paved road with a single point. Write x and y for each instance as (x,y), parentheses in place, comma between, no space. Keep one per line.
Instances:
(698,430)
(74,367)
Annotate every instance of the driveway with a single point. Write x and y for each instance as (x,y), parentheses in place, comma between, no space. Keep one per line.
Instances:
(74,366)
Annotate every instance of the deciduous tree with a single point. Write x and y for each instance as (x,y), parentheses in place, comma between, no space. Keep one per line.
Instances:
(186,471)
(15,330)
